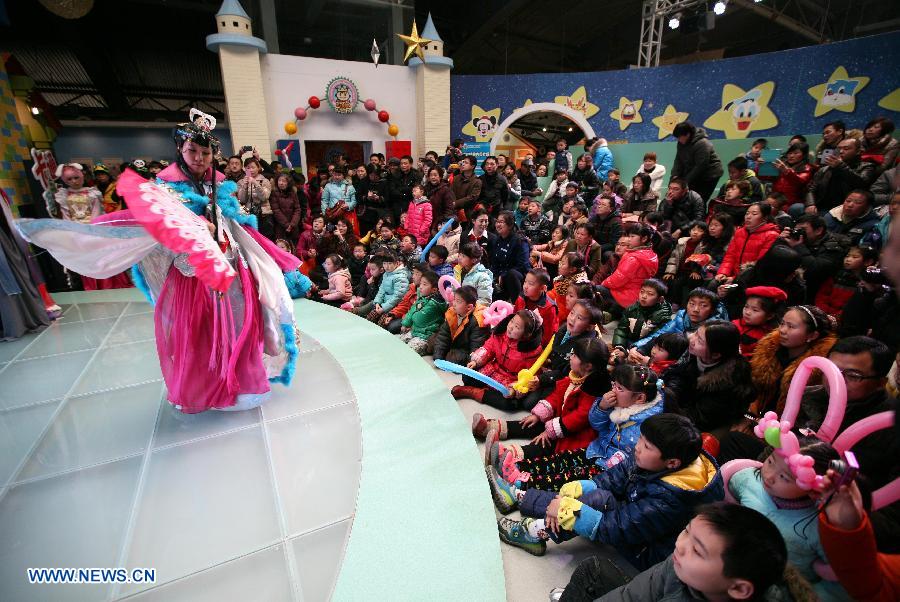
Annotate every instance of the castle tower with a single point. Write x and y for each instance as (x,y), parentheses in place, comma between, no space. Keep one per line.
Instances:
(432,93)
(241,77)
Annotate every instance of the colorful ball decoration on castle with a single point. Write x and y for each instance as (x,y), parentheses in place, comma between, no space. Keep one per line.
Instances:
(342,94)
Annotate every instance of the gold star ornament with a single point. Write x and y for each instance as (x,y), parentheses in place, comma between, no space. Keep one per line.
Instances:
(414,44)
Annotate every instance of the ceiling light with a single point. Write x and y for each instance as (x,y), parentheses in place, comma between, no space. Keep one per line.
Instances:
(757,1)
(719,8)
(543,129)
(674,22)
(35,111)
(570,129)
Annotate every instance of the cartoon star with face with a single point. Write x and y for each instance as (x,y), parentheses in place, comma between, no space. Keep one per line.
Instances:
(838,93)
(668,120)
(628,112)
(743,111)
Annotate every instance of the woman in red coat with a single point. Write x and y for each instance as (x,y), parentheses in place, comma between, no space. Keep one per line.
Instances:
(638,263)
(750,242)
(794,175)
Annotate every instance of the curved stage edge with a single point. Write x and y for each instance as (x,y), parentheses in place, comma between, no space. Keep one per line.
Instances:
(424,525)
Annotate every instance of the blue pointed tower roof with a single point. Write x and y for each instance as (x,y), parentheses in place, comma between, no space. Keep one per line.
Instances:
(232,8)
(430,33)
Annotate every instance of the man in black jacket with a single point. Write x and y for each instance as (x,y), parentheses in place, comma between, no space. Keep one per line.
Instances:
(494,187)
(838,177)
(821,252)
(681,206)
(696,160)
(401,178)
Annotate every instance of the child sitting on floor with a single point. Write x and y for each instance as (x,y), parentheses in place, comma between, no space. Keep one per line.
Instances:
(387,240)
(394,284)
(514,345)
(559,422)
(437,261)
(534,297)
(471,271)
(392,320)
(410,251)
(784,498)
(356,263)
(639,506)
(425,316)
(727,552)
(616,417)
(763,308)
(641,318)
(463,330)
(837,290)
(667,348)
(580,324)
(571,270)
(364,292)
(339,288)
(702,305)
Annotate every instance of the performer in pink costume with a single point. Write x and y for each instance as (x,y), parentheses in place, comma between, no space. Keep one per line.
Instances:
(219,346)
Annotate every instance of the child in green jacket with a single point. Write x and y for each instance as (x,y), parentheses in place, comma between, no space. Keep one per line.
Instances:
(425,316)
(642,317)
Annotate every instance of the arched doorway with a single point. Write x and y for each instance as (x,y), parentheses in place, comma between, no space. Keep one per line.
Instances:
(527,125)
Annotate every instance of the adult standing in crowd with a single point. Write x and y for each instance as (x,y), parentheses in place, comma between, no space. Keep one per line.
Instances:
(653,170)
(602,157)
(494,187)
(440,195)
(287,209)
(466,188)
(401,178)
(696,161)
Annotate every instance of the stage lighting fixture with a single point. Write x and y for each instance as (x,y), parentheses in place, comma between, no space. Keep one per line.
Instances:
(674,22)
(719,8)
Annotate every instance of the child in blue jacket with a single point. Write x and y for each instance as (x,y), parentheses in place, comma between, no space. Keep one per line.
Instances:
(394,285)
(702,305)
(639,506)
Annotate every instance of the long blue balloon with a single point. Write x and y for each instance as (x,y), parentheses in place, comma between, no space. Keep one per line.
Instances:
(431,243)
(457,369)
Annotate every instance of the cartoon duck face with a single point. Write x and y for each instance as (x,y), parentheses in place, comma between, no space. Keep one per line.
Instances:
(628,112)
(839,92)
(745,110)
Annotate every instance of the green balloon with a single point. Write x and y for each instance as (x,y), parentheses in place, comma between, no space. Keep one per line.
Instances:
(773,436)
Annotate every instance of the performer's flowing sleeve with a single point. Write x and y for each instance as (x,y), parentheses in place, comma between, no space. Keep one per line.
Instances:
(96,251)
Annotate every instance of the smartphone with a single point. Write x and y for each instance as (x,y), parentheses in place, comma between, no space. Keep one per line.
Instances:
(847,469)
(828,152)
(246,149)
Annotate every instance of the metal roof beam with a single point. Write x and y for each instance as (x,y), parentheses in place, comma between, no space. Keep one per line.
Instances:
(782,19)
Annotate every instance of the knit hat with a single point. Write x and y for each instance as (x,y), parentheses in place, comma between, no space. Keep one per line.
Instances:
(771,292)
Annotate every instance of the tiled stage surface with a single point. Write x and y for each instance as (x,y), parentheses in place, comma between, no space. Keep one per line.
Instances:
(98,470)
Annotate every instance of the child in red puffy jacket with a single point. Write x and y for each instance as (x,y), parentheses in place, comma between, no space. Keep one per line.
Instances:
(534,297)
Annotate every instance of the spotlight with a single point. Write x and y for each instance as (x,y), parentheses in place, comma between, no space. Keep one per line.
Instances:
(543,129)
(570,129)
(719,8)
(35,111)
(674,22)
(757,1)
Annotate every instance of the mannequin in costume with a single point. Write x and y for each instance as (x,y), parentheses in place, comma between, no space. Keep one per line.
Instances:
(217,350)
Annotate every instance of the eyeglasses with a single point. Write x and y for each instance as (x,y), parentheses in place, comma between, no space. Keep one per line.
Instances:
(852,376)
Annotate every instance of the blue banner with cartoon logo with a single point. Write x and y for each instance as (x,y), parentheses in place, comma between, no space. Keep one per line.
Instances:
(773,94)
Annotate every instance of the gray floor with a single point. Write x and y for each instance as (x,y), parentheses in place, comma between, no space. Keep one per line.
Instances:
(98,470)
(529,578)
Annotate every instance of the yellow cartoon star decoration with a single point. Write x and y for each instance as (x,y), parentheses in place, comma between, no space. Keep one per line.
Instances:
(414,44)
(891,102)
(578,101)
(743,112)
(838,93)
(668,120)
(628,112)
(483,124)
